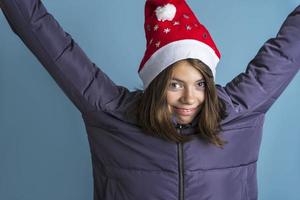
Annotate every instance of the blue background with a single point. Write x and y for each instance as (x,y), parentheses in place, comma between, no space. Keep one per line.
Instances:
(44,152)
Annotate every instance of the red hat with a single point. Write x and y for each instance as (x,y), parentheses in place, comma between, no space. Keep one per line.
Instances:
(173,33)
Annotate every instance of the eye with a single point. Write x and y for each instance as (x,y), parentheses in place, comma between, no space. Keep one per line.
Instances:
(201,84)
(175,85)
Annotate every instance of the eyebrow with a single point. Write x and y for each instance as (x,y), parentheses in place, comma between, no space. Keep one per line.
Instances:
(177,79)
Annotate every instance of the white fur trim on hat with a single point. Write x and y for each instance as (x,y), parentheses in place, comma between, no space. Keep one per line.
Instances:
(166,12)
(174,52)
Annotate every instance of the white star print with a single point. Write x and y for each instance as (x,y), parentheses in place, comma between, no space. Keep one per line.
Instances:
(167,30)
(155,27)
(188,28)
(157,44)
(176,23)
(186,16)
(151,41)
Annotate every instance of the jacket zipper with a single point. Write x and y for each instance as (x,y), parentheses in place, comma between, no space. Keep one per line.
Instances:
(180,168)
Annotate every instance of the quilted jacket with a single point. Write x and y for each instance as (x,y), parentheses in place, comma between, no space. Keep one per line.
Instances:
(130,165)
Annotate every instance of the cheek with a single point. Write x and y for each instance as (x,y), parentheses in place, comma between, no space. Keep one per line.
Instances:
(201,97)
(172,99)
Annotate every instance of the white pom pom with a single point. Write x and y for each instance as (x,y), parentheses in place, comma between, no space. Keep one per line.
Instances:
(166,12)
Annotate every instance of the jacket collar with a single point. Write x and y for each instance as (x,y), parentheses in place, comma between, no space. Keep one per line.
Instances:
(193,124)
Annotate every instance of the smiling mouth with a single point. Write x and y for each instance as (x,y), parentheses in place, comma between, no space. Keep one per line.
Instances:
(185,112)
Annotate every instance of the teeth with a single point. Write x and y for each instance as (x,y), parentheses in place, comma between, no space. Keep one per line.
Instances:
(186,110)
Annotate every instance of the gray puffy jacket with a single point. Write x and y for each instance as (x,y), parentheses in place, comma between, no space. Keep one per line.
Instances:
(129,165)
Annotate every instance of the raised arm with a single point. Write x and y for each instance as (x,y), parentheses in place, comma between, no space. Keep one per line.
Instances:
(269,73)
(83,82)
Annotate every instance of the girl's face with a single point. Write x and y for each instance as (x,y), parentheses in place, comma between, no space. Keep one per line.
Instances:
(186,92)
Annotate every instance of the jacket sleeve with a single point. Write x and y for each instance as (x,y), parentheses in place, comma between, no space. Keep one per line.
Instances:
(80,79)
(270,72)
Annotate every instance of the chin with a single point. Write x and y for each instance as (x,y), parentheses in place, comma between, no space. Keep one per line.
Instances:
(184,121)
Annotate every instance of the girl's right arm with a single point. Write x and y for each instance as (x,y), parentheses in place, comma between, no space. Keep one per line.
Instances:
(80,79)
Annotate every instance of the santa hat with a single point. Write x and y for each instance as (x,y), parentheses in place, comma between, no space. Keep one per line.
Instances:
(173,33)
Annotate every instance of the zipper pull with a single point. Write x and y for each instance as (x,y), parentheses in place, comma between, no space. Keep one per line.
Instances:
(179,126)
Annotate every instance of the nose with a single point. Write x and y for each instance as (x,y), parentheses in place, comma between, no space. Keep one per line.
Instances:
(188,96)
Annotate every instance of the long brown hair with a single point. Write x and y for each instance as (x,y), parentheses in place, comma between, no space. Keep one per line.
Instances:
(155,118)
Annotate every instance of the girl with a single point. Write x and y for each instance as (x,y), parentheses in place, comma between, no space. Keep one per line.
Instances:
(186,137)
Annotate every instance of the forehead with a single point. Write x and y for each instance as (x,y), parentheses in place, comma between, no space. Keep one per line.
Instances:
(184,71)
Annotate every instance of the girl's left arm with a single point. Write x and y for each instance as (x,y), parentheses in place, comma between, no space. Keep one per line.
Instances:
(270,72)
